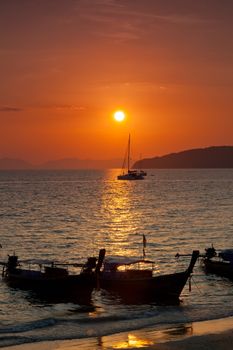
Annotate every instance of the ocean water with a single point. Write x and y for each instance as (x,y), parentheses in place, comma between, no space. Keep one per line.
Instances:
(70,215)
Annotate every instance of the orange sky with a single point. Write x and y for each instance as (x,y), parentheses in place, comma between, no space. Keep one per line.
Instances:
(66,65)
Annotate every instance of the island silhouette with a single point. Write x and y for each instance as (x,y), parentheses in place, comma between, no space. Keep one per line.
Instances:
(210,157)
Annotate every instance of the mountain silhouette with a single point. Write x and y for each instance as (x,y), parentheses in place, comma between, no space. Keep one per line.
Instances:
(66,163)
(210,157)
(13,164)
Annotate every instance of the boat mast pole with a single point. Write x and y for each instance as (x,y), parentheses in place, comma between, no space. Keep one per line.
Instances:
(144,246)
(129,153)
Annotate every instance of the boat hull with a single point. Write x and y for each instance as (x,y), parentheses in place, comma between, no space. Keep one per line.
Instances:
(220,268)
(161,288)
(141,285)
(130,177)
(72,287)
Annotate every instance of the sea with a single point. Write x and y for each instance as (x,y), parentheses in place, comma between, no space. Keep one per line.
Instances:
(68,215)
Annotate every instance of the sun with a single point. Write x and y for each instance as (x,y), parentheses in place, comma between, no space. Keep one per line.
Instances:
(119,116)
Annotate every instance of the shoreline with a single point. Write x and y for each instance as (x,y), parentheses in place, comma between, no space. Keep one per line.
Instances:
(202,335)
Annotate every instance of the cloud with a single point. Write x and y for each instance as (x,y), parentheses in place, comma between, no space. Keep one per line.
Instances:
(137,86)
(54,107)
(10,109)
(123,21)
(59,107)
(71,108)
(180,19)
(110,19)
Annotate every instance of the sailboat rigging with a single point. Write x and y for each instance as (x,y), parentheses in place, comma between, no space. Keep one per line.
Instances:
(129,174)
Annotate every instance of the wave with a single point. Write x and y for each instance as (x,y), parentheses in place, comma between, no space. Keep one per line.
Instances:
(51,329)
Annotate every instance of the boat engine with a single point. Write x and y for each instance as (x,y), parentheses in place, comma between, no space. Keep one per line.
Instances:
(89,265)
(12,263)
(210,252)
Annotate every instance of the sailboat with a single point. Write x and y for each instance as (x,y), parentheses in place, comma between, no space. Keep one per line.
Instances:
(129,174)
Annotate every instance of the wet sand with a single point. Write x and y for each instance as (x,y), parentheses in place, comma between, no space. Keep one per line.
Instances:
(206,335)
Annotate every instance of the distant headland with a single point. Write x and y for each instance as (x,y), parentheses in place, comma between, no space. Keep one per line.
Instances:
(59,164)
(210,157)
(14,164)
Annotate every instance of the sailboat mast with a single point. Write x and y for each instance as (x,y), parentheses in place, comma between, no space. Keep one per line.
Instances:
(129,153)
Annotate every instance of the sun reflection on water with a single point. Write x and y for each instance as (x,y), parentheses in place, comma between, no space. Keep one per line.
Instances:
(122,217)
(132,342)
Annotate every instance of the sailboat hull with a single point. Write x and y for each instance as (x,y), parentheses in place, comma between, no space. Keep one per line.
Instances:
(130,176)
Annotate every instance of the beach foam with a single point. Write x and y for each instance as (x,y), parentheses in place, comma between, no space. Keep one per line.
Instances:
(206,335)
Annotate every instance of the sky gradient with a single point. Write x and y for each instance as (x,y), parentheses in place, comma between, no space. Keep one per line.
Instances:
(67,65)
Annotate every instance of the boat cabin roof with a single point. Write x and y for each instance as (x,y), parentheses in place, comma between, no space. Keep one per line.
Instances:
(116,261)
(227,255)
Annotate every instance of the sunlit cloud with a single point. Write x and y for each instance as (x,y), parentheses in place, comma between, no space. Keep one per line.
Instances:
(59,108)
(70,108)
(137,85)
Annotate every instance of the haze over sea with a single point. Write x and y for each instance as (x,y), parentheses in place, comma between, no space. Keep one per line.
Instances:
(70,215)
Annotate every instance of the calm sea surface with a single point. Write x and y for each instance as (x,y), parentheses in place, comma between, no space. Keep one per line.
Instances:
(70,215)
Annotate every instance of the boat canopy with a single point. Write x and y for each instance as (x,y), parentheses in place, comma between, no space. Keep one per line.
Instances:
(227,255)
(116,261)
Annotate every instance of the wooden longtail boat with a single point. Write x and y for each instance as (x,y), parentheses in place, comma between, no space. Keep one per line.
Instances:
(219,263)
(52,279)
(120,276)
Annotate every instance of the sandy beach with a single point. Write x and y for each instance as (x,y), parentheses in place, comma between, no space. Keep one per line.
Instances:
(214,335)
